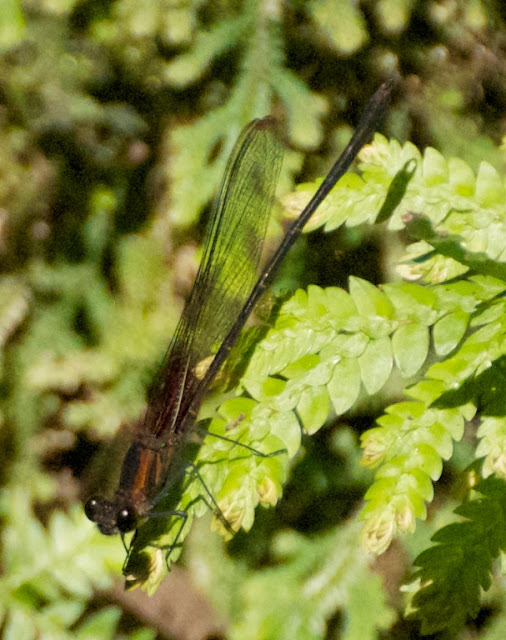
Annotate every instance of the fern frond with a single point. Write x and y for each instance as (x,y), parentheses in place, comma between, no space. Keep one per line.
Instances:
(446,587)
(39,596)
(436,418)
(329,346)
(263,76)
(324,575)
(325,346)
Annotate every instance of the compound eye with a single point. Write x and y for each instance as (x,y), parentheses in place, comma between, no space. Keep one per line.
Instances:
(93,507)
(126,519)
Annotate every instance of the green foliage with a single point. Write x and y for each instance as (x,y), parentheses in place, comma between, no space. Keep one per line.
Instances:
(116,119)
(12,27)
(130,331)
(325,574)
(447,585)
(329,346)
(330,573)
(39,596)
(256,31)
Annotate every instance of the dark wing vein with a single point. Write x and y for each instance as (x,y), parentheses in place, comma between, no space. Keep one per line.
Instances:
(226,276)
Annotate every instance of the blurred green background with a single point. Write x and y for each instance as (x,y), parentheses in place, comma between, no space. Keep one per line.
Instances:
(116,118)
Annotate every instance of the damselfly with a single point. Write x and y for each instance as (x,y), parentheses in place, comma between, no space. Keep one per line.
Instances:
(226,289)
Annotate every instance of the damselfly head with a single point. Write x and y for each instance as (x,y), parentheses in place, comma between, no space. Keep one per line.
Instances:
(110,516)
